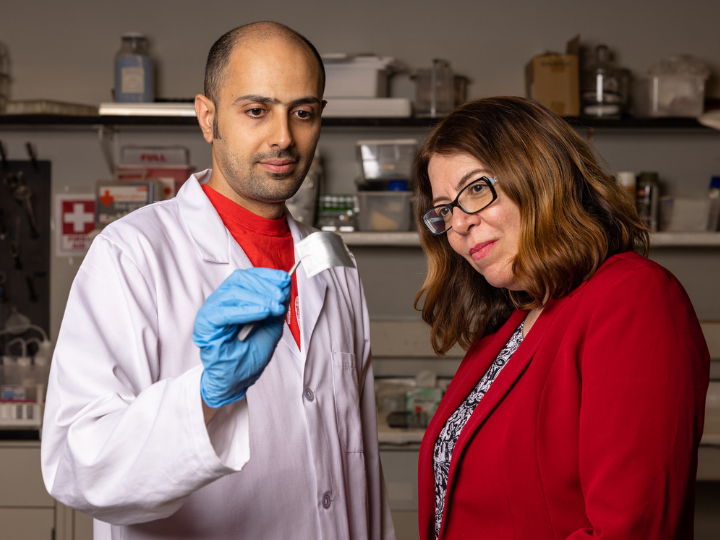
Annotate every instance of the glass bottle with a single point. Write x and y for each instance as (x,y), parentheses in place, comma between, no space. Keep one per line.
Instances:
(648,198)
(604,87)
(134,81)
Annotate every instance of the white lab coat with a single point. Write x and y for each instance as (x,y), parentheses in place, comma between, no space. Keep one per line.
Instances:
(124,438)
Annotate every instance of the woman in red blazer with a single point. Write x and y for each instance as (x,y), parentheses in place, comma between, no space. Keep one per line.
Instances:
(578,409)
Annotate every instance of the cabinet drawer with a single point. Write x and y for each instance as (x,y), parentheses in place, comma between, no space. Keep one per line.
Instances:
(27,523)
(22,479)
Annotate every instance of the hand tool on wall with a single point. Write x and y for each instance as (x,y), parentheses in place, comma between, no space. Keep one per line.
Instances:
(24,194)
(32,155)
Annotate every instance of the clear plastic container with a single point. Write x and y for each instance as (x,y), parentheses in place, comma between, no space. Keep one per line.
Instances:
(384,210)
(387,159)
(134,78)
(670,95)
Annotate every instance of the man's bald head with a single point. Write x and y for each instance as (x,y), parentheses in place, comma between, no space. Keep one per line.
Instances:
(219,55)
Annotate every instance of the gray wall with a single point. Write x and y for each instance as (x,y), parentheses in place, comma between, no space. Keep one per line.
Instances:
(64,50)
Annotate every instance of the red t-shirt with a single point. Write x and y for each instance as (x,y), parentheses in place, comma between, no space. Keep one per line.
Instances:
(266,242)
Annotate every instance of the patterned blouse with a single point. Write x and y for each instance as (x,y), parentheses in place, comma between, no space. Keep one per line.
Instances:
(451,432)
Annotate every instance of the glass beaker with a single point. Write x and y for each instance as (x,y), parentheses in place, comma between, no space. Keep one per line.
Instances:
(605,88)
(434,89)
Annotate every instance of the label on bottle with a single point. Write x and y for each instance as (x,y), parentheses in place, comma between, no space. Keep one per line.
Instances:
(132,80)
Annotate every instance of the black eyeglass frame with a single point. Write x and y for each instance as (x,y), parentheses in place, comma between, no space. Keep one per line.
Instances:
(489,181)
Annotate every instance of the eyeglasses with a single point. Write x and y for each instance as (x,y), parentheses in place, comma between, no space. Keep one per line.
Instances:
(472,198)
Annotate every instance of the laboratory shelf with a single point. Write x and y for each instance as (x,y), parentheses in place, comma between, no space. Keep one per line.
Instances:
(412,239)
(685,239)
(50,120)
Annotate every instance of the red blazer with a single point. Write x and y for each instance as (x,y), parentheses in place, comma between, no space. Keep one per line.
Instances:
(591,430)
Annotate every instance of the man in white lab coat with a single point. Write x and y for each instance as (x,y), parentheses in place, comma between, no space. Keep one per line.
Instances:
(159,423)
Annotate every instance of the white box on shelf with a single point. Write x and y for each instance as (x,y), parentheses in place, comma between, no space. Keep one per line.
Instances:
(356,76)
(367,108)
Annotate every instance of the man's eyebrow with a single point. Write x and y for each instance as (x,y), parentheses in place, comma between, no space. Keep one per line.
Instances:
(254,98)
(310,100)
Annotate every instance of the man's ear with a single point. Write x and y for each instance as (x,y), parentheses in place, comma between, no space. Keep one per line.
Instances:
(205,111)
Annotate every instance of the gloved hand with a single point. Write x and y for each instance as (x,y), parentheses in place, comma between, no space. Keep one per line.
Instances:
(254,295)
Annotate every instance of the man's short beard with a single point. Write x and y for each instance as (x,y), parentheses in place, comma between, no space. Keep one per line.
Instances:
(246,181)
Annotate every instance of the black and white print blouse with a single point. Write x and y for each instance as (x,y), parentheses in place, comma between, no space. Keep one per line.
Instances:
(449,435)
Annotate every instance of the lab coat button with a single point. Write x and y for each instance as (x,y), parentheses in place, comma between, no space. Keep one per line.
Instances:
(309,395)
(326,501)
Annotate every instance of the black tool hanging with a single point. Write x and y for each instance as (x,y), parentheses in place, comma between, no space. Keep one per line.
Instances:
(25,199)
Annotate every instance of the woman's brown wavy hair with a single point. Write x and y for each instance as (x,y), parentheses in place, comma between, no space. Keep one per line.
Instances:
(573,216)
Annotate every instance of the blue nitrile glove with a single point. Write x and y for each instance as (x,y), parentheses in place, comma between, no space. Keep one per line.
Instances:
(254,295)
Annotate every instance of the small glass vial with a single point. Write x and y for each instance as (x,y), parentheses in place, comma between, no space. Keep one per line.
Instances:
(134,81)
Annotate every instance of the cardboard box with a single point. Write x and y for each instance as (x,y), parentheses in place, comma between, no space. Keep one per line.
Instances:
(552,79)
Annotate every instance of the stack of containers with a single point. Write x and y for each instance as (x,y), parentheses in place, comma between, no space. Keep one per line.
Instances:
(383,192)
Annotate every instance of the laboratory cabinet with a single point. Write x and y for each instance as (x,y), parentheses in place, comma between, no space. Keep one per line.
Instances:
(392,265)
(27,511)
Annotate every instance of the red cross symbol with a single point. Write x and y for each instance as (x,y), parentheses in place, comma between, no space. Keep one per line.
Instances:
(106,199)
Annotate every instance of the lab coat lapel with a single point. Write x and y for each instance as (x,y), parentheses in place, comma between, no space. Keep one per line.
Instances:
(311,291)
(208,233)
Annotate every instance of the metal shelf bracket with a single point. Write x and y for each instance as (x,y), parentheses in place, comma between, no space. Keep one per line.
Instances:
(107,137)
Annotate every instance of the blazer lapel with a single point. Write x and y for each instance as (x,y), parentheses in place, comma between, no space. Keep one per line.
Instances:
(475,364)
(505,380)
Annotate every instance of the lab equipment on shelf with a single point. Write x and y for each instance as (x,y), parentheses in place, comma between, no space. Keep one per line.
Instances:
(24,372)
(434,89)
(673,87)
(134,77)
(337,213)
(605,88)
(168,165)
(384,199)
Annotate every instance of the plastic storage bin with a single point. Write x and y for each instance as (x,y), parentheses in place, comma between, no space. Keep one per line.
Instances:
(387,159)
(384,210)
(670,95)
(357,76)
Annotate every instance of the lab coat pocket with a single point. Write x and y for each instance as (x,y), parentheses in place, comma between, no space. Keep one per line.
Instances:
(347,401)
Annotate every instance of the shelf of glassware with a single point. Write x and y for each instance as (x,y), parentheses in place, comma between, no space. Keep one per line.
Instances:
(412,239)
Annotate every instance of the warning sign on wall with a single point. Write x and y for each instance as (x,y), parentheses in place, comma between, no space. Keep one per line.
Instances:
(74,220)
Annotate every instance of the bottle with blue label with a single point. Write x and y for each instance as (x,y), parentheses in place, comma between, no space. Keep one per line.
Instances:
(134,81)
